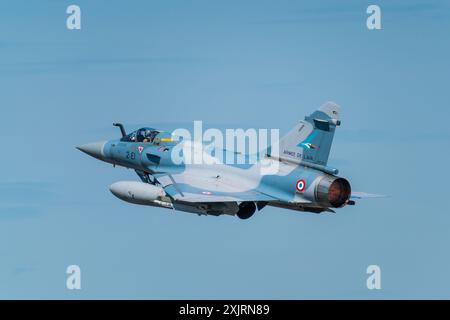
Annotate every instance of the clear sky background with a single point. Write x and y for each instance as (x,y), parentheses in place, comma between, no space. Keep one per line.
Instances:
(250,64)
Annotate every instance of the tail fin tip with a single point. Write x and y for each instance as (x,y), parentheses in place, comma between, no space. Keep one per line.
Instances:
(331,109)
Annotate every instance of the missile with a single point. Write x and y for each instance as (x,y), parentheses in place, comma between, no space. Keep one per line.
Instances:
(140,193)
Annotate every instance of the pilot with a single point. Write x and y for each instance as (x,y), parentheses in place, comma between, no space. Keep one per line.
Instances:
(149,135)
(140,136)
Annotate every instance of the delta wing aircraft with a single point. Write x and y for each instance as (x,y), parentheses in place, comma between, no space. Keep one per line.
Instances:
(302,180)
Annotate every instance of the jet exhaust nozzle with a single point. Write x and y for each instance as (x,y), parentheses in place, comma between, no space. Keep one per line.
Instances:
(333,192)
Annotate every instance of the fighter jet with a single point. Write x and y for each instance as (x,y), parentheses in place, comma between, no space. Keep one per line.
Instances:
(302,180)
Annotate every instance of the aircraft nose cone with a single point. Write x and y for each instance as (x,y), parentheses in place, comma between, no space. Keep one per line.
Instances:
(94,149)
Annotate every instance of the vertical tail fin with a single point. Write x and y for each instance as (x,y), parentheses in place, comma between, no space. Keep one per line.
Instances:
(310,140)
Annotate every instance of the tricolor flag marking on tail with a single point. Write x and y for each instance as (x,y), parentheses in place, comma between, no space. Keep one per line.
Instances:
(309,145)
(306,144)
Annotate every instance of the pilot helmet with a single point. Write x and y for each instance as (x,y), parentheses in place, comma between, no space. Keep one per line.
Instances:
(147,132)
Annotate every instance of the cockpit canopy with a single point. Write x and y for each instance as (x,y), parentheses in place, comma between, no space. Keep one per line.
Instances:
(141,135)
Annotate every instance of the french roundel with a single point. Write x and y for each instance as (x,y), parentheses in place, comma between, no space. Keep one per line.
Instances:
(301,185)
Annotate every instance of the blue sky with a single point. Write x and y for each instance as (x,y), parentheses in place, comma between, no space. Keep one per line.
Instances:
(251,64)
